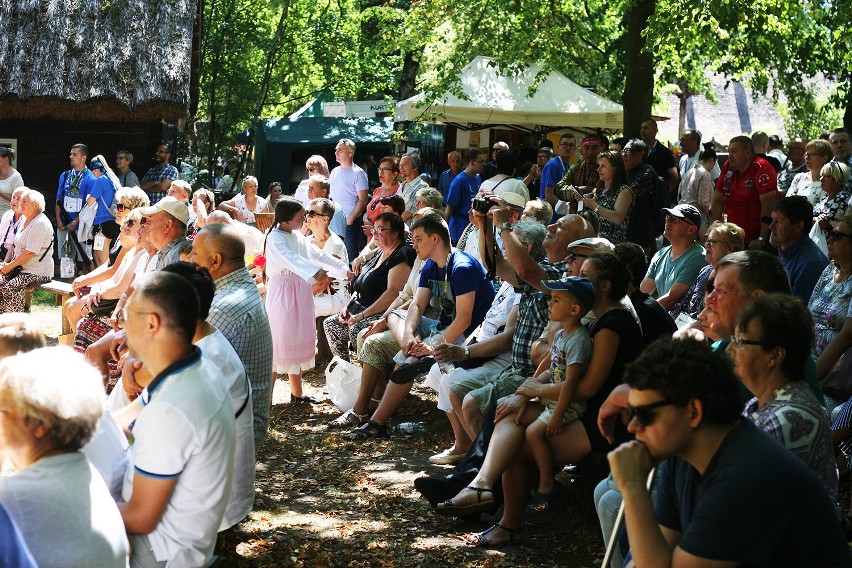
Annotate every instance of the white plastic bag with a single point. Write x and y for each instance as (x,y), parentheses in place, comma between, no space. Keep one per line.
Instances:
(818,237)
(66,267)
(343,380)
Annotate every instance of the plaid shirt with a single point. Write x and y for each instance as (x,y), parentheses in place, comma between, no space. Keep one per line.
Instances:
(159,173)
(532,318)
(238,312)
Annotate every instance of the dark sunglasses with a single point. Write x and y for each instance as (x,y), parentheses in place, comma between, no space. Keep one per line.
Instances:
(313,214)
(645,415)
(121,207)
(143,220)
(835,235)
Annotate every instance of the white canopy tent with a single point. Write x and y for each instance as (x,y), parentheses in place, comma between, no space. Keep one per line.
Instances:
(498,100)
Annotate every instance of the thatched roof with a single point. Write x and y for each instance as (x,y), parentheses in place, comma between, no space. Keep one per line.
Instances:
(113,59)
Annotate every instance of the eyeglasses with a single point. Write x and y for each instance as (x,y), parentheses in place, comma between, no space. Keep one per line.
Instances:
(121,207)
(645,415)
(313,214)
(674,219)
(383,170)
(380,230)
(835,235)
(813,154)
(575,255)
(738,341)
(710,243)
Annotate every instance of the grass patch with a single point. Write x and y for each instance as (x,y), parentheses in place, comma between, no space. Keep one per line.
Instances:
(43,298)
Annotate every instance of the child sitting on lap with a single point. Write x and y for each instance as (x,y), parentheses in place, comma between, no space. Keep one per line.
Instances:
(570,299)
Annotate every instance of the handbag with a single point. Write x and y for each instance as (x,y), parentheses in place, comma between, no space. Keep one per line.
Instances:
(837,383)
(105,308)
(343,380)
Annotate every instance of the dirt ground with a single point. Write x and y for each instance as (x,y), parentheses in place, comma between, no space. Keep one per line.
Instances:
(326,501)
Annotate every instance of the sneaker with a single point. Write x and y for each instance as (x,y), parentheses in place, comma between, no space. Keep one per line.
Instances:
(347,419)
(446,458)
(410,371)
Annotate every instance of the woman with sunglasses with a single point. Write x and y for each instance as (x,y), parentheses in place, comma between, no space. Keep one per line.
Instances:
(315,166)
(380,280)
(616,340)
(127,199)
(835,200)
(829,304)
(329,299)
(10,178)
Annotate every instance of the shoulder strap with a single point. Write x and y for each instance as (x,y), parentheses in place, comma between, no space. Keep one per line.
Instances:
(52,240)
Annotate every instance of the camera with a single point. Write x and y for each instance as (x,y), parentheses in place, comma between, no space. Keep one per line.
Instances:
(481,204)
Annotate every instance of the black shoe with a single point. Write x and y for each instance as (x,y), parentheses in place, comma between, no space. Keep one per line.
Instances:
(437,490)
(410,371)
(302,400)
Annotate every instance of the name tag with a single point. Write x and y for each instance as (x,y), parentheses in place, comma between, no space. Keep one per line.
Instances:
(72,204)
(99,242)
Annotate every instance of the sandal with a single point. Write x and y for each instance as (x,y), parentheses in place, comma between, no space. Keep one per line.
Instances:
(369,429)
(481,539)
(543,503)
(348,418)
(448,509)
(407,372)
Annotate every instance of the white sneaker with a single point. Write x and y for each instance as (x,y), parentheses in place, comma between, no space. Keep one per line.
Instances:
(446,458)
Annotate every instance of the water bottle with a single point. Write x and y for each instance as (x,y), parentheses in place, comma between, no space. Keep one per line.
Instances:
(447,367)
(410,428)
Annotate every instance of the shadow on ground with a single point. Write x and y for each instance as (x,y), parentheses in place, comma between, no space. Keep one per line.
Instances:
(325,501)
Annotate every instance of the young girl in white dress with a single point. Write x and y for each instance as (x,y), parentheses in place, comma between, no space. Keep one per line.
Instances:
(293,265)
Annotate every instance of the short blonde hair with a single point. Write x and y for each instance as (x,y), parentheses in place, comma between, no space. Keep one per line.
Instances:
(837,171)
(132,197)
(821,147)
(731,233)
(56,388)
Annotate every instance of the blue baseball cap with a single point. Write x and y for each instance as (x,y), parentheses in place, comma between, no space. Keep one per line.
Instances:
(581,288)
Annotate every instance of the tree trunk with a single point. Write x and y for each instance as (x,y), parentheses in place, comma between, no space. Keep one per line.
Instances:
(408,81)
(639,79)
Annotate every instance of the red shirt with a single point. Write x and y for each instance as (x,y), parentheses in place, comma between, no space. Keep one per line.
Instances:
(374,208)
(741,192)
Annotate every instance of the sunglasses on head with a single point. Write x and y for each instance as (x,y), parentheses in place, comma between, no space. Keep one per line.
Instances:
(644,414)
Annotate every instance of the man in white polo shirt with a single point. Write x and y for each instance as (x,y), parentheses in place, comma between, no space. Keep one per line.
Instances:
(349,187)
(184,436)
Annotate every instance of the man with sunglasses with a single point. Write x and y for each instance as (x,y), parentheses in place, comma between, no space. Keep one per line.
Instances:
(674,268)
(719,473)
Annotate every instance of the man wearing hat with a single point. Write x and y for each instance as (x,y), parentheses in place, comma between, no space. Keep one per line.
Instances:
(584,174)
(675,267)
(104,227)
(166,221)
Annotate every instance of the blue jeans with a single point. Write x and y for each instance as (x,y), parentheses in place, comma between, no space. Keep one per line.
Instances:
(352,238)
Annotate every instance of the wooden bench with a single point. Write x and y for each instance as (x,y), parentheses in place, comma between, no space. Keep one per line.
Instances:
(61,291)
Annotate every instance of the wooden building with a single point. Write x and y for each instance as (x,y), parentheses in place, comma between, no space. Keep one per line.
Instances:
(115,75)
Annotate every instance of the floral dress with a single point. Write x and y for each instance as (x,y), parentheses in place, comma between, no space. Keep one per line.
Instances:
(829,305)
(615,233)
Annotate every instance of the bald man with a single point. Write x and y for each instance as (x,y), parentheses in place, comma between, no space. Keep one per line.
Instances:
(238,312)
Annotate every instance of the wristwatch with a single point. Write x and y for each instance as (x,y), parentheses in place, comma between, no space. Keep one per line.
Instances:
(467,352)
(506,227)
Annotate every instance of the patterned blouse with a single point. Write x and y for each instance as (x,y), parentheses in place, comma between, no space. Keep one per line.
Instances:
(829,305)
(831,209)
(615,233)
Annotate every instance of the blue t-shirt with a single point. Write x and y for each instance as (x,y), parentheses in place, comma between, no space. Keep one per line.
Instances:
(554,170)
(466,274)
(445,180)
(104,192)
(73,189)
(13,549)
(462,190)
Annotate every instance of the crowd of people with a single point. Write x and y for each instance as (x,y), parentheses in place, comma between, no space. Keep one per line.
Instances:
(606,302)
